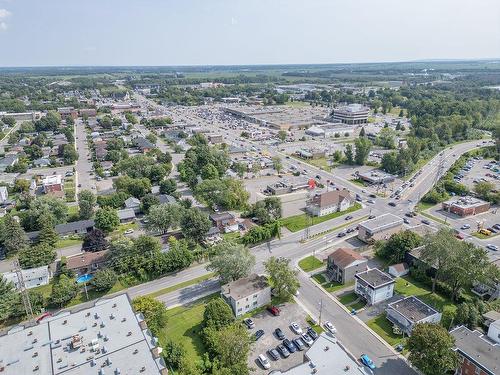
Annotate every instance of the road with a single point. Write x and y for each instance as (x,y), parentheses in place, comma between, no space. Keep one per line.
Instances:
(83,165)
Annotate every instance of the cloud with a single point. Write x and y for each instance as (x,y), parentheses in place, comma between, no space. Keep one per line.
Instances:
(4,13)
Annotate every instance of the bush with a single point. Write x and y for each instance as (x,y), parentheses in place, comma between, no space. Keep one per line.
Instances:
(104,280)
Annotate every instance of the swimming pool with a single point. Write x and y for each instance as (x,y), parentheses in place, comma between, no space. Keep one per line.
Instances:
(84,278)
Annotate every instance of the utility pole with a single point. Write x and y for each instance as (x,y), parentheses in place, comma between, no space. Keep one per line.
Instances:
(21,287)
(320,310)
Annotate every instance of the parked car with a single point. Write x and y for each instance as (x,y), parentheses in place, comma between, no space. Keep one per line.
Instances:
(492,247)
(129,231)
(279,333)
(392,204)
(264,362)
(486,232)
(296,328)
(299,344)
(274,354)
(307,339)
(367,361)
(406,221)
(288,344)
(274,310)
(249,323)
(259,334)
(283,350)
(371,217)
(312,333)
(330,327)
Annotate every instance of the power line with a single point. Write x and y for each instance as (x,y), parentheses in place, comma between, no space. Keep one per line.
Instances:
(21,287)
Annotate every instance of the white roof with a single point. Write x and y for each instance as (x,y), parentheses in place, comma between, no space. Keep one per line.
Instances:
(52,180)
(29,274)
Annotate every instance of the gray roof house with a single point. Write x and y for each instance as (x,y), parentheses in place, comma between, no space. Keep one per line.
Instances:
(247,294)
(133,203)
(409,311)
(374,286)
(126,215)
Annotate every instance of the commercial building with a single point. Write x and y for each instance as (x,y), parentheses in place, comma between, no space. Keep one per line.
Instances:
(376,177)
(478,355)
(106,338)
(32,277)
(409,311)
(287,186)
(326,356)
(343,264)
(379,228)
(374,286)
(466,206)
(247,294)
(23,116)
(68,112)
(330,202)
(352,114)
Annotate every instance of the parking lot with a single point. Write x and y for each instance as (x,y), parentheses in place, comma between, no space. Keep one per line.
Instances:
(290,312)
(478,170)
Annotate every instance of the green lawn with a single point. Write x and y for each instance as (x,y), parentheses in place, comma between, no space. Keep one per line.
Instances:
(181,285)
(123,227)
(68,242)
(184,326)
(330,286)
(383,328)
(314,326)
(72,210)
(432,217)
(358,181)
(348,298)
(484,236)
(407,286)
(422,206)
(299,222)
(310,263)
(232,236)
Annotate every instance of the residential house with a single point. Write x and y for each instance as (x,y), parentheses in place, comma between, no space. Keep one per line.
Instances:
(399,269)
(247,294)
(133,203)
(143,144)
(213,236)
(32,277)
(41,163)
(343,264)
(225,221)
(87,262)
(75,227)
(494,331)
(127,215)
(379,228)
(330,202)
(4,194)
(409,311)
(374,286)
(477,354)
(53,185)
(8,161)
(165,198)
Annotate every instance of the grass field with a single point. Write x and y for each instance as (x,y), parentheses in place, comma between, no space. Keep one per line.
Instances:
(383,328)
(124,227)
(184,326)
(299,222)
(330,286)
(310,263)
(407,286)
(181,285)
(422,206)
(68,242)
(348,298)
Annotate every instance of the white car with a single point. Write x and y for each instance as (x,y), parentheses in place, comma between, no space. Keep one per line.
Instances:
(129,231)
(492,247)
(264,361)
(296,328)
(307,339)
(330,327)
(465,226)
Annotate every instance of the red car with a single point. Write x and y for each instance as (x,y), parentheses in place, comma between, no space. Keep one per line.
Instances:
(43,316)
(274,310)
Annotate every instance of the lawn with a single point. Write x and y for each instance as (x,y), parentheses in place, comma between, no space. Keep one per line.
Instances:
(432,217)
(314,326)
(184,326)
(484,236)
(348,298)
(310,263)
(68,242)
(422,206)
(72,210)
(182,285)
(321,163)
(299,222)
(330,286)
(232,236)
(407,286)
(358,182)
(383,328)
(124,227)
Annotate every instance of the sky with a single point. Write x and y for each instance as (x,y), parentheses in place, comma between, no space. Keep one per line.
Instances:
(244,32)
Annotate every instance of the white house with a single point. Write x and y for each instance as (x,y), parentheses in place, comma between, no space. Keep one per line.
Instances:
(4,194)
(374,286)
(494,331)
(32,277)
(330,202)
(409,311)
(247,294)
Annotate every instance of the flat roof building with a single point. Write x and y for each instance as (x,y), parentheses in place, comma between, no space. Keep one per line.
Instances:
(32,277)
(247,294)
(352,114)
(381,227)
(376,177)
(374,286)
(466,206)
(106,338)
(409,311)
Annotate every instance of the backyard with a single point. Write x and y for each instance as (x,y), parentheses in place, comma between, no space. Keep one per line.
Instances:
(310,263)
(330,286)
(352,301)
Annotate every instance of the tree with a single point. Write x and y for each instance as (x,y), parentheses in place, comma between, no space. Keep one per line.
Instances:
(483,189)
(431,349)
(232,261)
(396,247)
(209,172)
(154,311)
(69,154)
(217,314)
(282,277)
(47,235)
(266,211)
(8,297)
(168,186)
(194,224)
(386,138)
(349,156)
(148,201)
(437,252)
(13,236)
(282,134)
(64,290)
(104,280)
(362,146)
(36,256)
(174,353)
(277,164)
(95,240)
(228,193)
(106,219)
(21,185)
(86,203)
(163,217)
